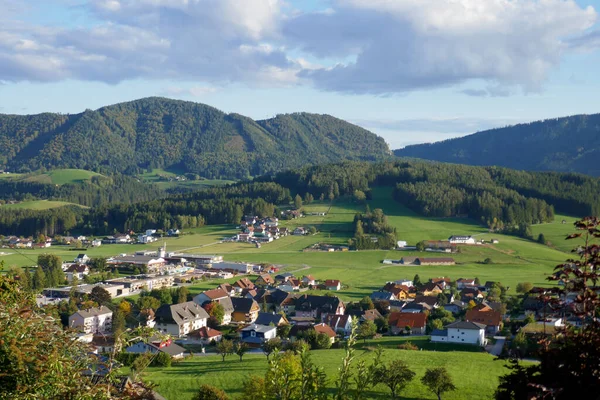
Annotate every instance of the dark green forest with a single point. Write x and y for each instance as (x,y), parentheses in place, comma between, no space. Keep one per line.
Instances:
(570,144)
(500,198)
(155,132)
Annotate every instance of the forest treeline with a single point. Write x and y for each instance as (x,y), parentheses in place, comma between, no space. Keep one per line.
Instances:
(501,198)
(570,144)
(97,191)
(149,133)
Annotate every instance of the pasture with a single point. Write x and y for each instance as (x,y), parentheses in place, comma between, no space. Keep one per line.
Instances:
(154,176)
(61,176)
(38,205)
(181,380)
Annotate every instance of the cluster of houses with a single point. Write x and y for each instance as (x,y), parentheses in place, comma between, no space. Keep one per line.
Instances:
(263,230)
(421,261)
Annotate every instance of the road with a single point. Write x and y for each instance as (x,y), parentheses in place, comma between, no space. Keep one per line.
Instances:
(497,348)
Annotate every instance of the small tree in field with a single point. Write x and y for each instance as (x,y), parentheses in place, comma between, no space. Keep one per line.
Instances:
(271,346)
(367,330)
(395,375)
(224,348)
(240,349)
(438,381)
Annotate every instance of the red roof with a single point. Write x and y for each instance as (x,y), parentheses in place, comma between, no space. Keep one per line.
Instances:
(216,293)
(332,282)
(414,320)
(490,318)
(206,333)
(326,329)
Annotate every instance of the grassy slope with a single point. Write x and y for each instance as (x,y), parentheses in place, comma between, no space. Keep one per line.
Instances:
(180,381)
(153,177)
(62,176)
(39,205)
(555,232)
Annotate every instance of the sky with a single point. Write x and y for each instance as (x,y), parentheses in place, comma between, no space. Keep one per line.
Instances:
(412,71)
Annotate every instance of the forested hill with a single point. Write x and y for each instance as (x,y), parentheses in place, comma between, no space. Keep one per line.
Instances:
(162,133)
(570,144)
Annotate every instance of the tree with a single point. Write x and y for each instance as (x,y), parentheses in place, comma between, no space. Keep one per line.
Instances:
(395,375)
(182,295)
(118,322)
(298,202)
(477,281)
(524,287)
(148,303)
(224,348)
(240,349)
(541,239)
(98,264)
(359,196)
(313,381)
(421,246)
(208,392)
(125,307)
(367,330)
(39,279)
(366,303)
(216,312)
(382,325)
(272,346)
(438,381)
(283,331)
(100,295)
(322,341)
(312,230)
(417,281)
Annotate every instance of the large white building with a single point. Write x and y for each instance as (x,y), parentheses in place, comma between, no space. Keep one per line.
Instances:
(461,332)
(180,319)
(462,240)
(92,320)
(244,268)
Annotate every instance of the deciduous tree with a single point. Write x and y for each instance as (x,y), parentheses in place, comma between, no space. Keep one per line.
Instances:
(438,381)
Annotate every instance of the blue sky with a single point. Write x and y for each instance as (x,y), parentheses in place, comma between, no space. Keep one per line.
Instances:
(410,70)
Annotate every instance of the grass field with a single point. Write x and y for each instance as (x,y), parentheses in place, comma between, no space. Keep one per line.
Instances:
(514,259)
(37,205)
(61,176)
(155,177)
(475,374)
(556,232)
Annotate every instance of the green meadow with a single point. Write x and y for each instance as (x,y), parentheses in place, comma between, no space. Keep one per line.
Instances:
(38,205)
(474,374)
(61,176)
(154,176)
(513,259)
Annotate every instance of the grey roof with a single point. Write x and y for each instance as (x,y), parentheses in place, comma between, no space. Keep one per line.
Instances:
(466,325)
(242,304)
(180,313)
(227,304)
(258,328)
(381,296)
(92,312)
(172,349)
(266,318)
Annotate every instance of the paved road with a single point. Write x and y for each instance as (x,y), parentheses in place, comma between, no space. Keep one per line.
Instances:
(497,349)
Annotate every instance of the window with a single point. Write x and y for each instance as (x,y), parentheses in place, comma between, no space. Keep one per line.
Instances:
(253,333)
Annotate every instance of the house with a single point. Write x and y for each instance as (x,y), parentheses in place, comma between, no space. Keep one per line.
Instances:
(398,305)
(255,335)
(431,289)
(461,240)
(245,311)
(340,323)
(122,238)
(243,268)
(326,329)
(103,343)
(81,259)
(469,294)
(283,277)
(96,243)
(443,282)
(383,296)
(465,283)
(157,345)
(92,320)
(242,284)
(333,284)
(217,295)
(206,335)
(488,317)
(435,261)
(146,239)
(266,318)
(400,244)
(416,307)
(76,270)
(367,315)
(318,307)
(408,260)
(461,332)
(404,282)
(401,292)
(455,307)
(299,231)
(264,280)
(180,319)
(399,321)
(308,280)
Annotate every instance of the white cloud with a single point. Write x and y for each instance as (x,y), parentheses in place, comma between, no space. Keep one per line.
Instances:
(354,46)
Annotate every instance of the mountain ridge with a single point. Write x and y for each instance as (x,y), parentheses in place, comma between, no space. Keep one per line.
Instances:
(156,132)
(566,144)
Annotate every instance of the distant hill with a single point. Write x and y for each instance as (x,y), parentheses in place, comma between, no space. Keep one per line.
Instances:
(155,132)
(570,144)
